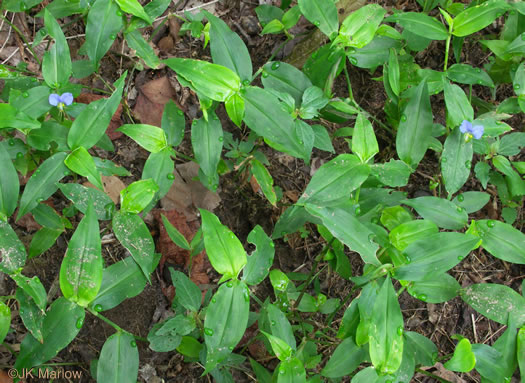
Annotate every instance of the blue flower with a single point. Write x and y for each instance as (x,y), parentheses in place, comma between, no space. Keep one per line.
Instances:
(476,130)
(60,101)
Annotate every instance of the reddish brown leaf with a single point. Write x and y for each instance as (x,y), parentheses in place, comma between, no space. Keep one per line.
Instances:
(151,100)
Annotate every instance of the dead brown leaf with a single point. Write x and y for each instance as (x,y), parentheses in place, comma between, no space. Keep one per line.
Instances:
(151,100)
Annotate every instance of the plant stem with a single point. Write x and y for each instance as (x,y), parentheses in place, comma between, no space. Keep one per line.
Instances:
(447,46)
(349,84)
(272,57)
(23,38)
(103,318)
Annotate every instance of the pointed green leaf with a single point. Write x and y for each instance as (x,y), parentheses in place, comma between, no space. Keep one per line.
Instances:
(42,184)
(466,74)
(137,196)
(415,127)
(321,13)
(463,359)
(437,288)
(420,24)
(444,213)
(31,315)
(226,321)
(285,78)
(150,137)
(364,142)
(407,232)
(345,359)
(359,28)
(235,108)
(5,320)
(81,196)
(458,105)
(435,254)
(228,49)
(119,359)
(173,123)
(56,64)
(9,185)
(133,234)
(291,371)
(264,179)
(175,235)
(61,325)
(81,162)
(477,17)
(90,125)
(386,330)
(187,292)
(260,261)
(133,7)
(206,140)
(502,240)
(82,266)
(225,251)
(456,161)
(142,48)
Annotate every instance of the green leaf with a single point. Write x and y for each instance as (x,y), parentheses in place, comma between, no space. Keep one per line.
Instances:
(82,197)
(423,349)
(285,78)
(515,183)
(175,235)
(393,72)
(137,196)
(463,359)
(5,320)
(502,240)
(82,266)
(435,254)
(119,359)
(291,17)
(420,24)
(56,64)
(47,216)
(228,49)
(188,293)
(260,261)
(273,27)
(142,48)
(323,14)
(322,138)
(34,102)
(456,161)
(281,349)
(81,162)
(63,8)
(133,234)
(393,173)
(335,180)
(279,280)
(103,24)
(42,184)
(521,350)
(226,320)
(386,330)
(477,17)
(153,9)
(345,226)
(482,170)
(466,74)
(189,347)
(437,288)
(444,213)
(511,144)
(235,109)
(472,201)
(150,137)
(261,373)
(163,343)
(415,127)
(364,142)
(394,216)
(33,288)
(90,125)
(31,315)
(404,234)
(278,325)
(206,140)
(42,241)
(160,167)
(9,185)
(120,281)
(19,6)
(345,359)
(489,362)
(61,325)
(267,13)
(173,123)
(133,7)
(50,131)
(359,28)
(265,117)
(458,105)
(291,371)
(213,81)
(497,302)
(225,251)
(264,179)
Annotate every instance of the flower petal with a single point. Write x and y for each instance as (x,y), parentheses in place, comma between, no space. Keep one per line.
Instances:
(465,126)
(477,131)
(66,98)
(54,99)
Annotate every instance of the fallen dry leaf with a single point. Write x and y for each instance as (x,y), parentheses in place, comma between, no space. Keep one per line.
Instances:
(87,98)
(151,100)
(113,186)
(202,198)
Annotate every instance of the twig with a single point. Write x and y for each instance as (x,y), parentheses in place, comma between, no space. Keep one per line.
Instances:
(190,9)
(8,32)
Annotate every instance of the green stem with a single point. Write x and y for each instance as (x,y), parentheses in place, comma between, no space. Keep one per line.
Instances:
(256,299)
(349,84)
(182,155)
(271,57)
(103,318)
(447,46)
(341,305)
(23,38)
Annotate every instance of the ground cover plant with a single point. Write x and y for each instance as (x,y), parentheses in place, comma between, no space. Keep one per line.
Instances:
(455,131)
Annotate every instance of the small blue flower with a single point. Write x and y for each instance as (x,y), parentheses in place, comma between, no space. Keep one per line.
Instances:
(60,101)
(476,131)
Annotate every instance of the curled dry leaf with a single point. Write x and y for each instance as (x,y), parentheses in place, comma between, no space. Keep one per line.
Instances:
(152,97)
(87,98)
